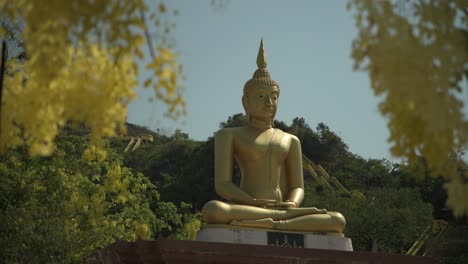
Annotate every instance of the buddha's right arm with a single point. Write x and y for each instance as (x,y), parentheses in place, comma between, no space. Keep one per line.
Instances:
(224,158)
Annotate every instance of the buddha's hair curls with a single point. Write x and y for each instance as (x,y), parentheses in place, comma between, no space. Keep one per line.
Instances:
(260,77)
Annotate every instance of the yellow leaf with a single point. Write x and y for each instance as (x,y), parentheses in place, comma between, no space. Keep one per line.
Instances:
(147,82)
(162,8)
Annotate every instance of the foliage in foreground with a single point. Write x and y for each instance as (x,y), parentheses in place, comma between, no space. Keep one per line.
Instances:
(417,57)
(79,63)
(61,208)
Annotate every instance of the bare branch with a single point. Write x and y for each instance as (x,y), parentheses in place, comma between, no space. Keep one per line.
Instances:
(147,35)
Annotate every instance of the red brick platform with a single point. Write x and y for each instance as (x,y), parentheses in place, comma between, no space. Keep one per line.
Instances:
(177,251)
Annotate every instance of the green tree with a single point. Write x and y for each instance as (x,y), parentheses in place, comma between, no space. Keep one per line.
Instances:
(394,218)
(60,208)
(237,120)
(182,169)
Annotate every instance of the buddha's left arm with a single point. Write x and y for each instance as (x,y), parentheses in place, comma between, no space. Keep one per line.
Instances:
(294,172)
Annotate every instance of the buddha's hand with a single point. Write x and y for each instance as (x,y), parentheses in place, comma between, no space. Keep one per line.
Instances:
(282,205)
(315,210)
(263,202)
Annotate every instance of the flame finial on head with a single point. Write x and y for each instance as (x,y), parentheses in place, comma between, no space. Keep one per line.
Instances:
(261,75)
(261,57)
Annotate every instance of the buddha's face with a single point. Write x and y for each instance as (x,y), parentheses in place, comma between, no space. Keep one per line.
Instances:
(261,103)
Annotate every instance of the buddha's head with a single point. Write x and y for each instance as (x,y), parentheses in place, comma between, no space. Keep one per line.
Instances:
(261,93)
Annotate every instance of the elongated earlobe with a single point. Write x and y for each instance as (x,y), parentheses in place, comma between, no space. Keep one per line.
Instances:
(248,116)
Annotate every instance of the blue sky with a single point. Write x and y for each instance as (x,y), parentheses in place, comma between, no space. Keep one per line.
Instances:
(308,46)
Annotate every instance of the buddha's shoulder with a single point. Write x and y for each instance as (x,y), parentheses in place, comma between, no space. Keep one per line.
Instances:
(230,132)
(288,136)
(233,132)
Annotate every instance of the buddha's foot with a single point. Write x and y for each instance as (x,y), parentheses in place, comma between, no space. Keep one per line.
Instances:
(296,212)
(260,223)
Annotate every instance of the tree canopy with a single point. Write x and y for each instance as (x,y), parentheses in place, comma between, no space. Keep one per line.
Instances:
(62,207)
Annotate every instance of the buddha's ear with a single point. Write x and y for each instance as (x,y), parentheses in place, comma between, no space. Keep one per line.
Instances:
(245,102)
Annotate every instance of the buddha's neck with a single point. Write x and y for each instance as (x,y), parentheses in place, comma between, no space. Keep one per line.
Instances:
(260,124)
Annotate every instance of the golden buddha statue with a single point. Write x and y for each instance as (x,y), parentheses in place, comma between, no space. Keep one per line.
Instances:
(270,161)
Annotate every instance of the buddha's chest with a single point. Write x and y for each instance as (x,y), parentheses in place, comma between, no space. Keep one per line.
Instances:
(248,147)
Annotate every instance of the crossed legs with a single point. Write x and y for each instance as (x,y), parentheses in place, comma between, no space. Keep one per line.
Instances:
(293,219)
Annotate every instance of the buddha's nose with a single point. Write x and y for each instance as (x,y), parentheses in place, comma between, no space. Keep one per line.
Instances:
(268,101)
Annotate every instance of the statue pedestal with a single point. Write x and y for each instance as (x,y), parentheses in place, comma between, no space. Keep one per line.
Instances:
(175,252)
(266,237)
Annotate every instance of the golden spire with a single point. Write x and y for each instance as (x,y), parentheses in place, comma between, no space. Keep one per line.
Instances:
(261,57)
(261,75)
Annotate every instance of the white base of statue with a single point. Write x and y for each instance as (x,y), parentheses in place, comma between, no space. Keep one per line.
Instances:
(268,237)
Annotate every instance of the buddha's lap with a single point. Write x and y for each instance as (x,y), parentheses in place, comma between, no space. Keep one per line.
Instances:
(223,213)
